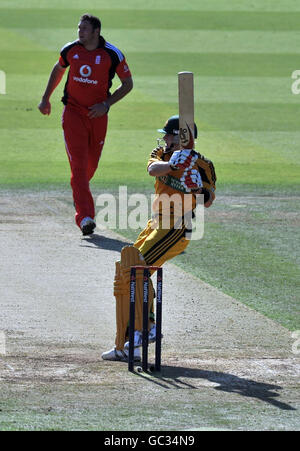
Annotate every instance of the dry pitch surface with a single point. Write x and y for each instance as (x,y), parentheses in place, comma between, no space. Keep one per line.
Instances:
(57,311)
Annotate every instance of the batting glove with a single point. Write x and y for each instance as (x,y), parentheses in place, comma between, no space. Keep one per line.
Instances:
(183,159)
(191,180)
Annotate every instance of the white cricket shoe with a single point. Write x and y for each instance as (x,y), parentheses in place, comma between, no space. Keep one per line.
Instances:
(87,226)
(152,334)
(138,338)
(115,355)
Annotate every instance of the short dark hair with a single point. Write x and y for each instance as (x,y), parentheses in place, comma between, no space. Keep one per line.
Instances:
(93,20)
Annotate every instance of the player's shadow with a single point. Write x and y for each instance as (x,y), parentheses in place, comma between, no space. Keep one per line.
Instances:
(179,377)
(96,241)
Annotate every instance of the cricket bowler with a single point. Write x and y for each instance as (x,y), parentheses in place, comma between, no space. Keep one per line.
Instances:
(93,63)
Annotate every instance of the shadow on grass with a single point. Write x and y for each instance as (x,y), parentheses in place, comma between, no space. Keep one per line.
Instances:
(179,377)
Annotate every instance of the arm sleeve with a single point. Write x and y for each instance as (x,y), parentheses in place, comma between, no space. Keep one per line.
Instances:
(123,70)
(208,176)
(207,172)
(63,57)
(156,155)
(63,62)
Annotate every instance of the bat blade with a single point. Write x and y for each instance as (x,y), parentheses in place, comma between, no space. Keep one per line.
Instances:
(186,109)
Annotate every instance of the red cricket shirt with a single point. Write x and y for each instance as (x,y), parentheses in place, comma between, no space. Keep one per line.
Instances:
(91,72)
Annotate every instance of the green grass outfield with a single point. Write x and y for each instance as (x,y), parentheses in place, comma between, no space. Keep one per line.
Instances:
(242,55)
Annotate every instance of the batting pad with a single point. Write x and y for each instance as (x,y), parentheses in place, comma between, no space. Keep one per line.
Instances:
(130,256)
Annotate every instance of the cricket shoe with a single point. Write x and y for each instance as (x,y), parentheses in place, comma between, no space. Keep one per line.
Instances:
(87,226)
(115,355)
(138,339)
(152,334)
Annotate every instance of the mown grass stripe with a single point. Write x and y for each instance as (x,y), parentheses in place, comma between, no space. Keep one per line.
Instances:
(191,5)
(153,19)
(221,89)
(215,64)
(183,41)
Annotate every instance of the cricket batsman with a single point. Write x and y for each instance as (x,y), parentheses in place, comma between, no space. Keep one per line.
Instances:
(178,172)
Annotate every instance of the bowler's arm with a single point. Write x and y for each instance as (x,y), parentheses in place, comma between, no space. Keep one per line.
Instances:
(54,79)
(122,91)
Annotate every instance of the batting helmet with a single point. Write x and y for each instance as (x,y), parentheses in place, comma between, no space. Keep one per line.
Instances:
(172,127)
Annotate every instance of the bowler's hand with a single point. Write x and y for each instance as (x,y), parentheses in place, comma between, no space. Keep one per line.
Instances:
(97,110)
(45,107)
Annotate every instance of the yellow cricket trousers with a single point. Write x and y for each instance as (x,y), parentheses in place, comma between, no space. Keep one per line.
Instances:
(157,245)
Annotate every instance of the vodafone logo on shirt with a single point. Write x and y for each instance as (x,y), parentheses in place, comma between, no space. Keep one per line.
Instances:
(85,71)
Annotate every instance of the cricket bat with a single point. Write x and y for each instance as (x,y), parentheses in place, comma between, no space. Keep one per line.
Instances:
(186,109)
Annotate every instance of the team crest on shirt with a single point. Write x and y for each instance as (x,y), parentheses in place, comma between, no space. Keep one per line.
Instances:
(98,59)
